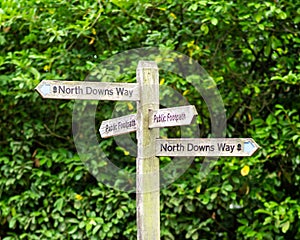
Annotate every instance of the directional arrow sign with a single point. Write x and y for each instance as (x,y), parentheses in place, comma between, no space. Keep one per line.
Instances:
(210,147)
(176,116)
(118,126)
(88,90)
(45,89)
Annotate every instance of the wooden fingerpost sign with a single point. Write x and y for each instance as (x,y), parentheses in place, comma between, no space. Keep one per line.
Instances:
(146,122)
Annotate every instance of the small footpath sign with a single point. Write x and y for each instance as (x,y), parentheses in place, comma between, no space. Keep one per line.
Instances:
(176,116)
(118,126)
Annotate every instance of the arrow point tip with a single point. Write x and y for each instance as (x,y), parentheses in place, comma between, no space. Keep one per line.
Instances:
(195,110)
(258,147)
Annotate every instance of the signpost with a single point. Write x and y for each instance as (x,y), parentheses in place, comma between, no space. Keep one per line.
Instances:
(146,122)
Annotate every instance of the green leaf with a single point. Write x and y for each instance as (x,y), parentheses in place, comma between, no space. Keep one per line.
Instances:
(204,28)
(12,223)
(285,226)
(214,21)
(263,211)
(258,17)
(205,199)
(72,229)
(120,213)
(213,196)
(297,20)
(88,227)
(271,120)
(261,27)
(228,187)
(96,229)
(282,15)
(59,204)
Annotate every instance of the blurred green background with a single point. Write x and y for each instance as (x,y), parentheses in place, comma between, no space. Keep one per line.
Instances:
(251,50)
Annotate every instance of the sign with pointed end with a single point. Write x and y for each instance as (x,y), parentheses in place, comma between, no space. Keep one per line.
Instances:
(88,90)
(118,126)
(45,89)
(168,117)
(249,147)
(208,147)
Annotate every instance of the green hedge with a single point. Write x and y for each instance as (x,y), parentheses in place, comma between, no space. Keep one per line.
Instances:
(251,49)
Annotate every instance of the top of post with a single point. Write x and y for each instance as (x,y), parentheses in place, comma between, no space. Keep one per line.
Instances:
(147,64)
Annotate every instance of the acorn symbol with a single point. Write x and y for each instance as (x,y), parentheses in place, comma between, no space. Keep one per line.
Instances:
(239,147)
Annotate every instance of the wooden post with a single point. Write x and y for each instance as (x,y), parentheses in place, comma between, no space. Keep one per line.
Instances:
(147,173)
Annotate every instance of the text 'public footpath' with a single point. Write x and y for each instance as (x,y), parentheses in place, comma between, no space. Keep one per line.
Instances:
(169,117)
(120,126)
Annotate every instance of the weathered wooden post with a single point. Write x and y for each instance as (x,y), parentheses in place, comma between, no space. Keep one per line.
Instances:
(147,175)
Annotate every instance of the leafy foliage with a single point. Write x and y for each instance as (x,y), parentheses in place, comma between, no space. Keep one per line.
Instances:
(251,49)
